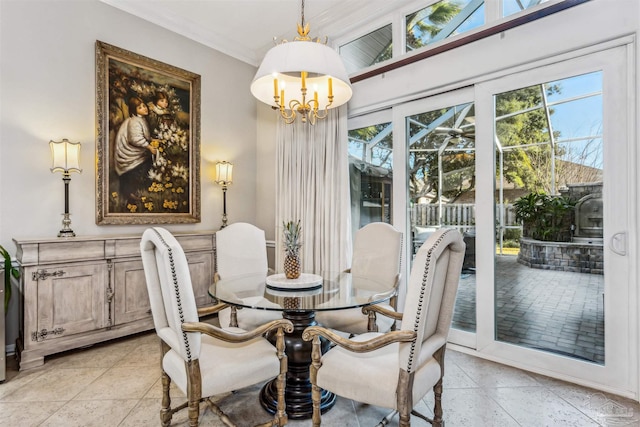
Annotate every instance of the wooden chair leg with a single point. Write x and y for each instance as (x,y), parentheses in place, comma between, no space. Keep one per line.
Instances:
(194,391)
(316,354)
(437,389)
(223,417)
(437,408)
(372,326)
(281,414)
(404,396)
(194,413)
(165,409)
(233,321)
(405,420)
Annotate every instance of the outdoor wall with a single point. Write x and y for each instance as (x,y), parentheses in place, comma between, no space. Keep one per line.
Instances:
(562,256)
(47,87)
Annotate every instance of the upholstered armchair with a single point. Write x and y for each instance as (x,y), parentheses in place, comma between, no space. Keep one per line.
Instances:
(241,248)
(201,359)
(398,368)
(377,250)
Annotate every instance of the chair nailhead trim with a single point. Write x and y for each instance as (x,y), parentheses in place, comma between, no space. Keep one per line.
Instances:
(176,288)
(423,289)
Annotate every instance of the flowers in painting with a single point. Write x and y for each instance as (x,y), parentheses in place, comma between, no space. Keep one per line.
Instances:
(165,188)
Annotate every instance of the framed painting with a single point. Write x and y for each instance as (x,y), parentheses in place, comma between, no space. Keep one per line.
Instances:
(148,140)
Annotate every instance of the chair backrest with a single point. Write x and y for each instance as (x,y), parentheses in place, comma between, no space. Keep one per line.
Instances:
(377,249)
(241,248)
(431,294)
(170,291)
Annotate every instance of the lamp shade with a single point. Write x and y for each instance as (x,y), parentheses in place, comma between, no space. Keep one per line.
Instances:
(224,173)
(286,61)
(65,156)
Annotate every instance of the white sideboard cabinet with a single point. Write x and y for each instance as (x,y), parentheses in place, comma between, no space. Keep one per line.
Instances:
(83,290)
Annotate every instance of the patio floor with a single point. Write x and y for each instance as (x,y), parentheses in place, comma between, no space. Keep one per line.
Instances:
(555,311)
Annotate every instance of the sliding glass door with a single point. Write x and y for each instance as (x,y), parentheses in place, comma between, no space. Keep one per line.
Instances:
(533,169)
(371,169)
(550,176)
(553,186)
(440,135)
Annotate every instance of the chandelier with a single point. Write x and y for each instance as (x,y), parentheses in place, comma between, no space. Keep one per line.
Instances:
(305,68)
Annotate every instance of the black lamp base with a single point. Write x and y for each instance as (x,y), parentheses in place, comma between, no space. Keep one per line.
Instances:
(66,233)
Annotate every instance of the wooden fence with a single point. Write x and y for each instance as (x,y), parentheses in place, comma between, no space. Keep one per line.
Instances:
(459,215)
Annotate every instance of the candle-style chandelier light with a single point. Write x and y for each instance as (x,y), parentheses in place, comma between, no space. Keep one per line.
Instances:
(306,68)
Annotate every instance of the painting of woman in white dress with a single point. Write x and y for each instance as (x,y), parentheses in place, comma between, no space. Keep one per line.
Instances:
(148,137)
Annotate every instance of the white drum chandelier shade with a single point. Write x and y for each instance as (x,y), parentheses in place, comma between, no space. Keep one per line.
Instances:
(284,62)
(302,78)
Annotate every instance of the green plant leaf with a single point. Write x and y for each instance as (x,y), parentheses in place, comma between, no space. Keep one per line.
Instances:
(9,271)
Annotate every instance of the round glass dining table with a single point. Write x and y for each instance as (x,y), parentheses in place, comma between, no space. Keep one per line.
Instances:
(299,300)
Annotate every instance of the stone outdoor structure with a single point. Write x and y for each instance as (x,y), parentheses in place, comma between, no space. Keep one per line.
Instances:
(584,254)
(563,256)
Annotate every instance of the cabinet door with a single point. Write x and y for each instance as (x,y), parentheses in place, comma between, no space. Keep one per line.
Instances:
(201,269)
(131,299)
(130,292)
(72,301)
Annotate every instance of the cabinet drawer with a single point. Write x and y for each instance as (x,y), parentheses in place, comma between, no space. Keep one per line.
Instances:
(70,251)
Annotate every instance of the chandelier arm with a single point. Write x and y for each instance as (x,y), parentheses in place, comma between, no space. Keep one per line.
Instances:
(289,117)
(323,114)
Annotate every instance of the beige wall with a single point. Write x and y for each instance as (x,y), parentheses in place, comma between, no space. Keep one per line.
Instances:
(47,91)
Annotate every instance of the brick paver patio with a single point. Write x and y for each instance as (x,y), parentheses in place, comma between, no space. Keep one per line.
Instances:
(555,311)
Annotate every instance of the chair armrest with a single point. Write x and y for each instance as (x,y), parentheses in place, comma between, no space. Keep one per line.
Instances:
(211,309)
(389,293)
(384,311)
(358,346)
(237,337)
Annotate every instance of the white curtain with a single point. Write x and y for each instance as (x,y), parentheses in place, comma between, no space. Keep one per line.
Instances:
(312,185)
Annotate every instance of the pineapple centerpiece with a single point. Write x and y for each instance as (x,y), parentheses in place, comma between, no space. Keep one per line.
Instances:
(292,245)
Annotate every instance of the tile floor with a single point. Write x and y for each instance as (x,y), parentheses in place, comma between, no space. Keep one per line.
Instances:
(118,384)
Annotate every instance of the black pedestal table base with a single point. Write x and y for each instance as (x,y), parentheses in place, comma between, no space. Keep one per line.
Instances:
(298,385)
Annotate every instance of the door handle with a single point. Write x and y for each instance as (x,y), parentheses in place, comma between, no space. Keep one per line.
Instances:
(618,243)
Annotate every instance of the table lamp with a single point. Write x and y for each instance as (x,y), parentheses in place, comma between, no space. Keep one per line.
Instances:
(224,177)
(65,157)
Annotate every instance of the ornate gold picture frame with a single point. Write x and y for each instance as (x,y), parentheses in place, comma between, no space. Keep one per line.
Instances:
(148,140)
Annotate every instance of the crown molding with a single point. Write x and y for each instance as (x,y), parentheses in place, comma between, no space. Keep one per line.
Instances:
(187,28)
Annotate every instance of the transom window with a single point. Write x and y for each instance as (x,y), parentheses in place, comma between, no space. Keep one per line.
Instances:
(435,22)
